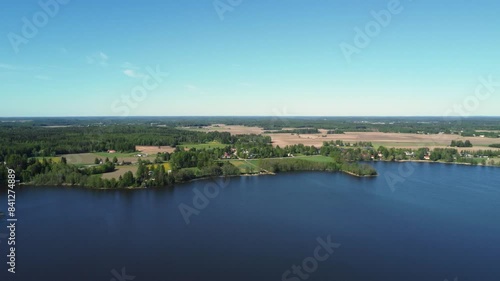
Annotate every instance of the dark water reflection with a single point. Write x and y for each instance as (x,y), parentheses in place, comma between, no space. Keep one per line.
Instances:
(442,221)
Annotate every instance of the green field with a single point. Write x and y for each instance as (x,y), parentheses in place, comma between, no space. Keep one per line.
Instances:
(88,158)
(246,166)
(209,145)
(253,164)
(318,158)
(54,159)
(117,155)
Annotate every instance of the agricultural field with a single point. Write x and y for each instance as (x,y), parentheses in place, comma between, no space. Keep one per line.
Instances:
(209,145)
(316,158)
(246,166)
(54,159)
(120,171)
(378,138)
(253,164)
(397,140)
(117,155)
(80,158)
(154,149)
(233,129)
(88,158)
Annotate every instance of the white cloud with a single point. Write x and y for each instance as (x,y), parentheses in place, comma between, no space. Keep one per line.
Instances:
(132,73)
(99,58)
(6,66)
(129,65)
(103,56)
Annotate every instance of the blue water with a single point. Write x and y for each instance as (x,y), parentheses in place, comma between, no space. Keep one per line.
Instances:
(437,222)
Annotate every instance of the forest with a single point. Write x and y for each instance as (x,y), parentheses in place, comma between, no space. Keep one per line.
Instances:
(465,126)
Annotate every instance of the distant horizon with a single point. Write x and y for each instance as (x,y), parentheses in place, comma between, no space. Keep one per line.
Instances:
(269,116)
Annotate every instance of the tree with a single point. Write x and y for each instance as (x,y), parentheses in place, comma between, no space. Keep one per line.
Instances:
(128,179)
(96,161)
(142,172)
(115,160)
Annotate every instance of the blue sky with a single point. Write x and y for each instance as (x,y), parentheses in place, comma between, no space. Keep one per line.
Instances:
(259,57)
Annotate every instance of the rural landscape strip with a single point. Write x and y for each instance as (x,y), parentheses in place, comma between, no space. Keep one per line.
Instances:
(143,154)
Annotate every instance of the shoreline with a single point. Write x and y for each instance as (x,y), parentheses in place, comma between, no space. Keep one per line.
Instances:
(264,174)
(359,176)
(438,162)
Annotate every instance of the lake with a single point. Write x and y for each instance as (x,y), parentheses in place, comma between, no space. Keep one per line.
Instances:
(427,222)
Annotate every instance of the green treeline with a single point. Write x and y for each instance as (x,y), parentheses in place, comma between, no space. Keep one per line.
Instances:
(358,169)
(460,143)
(471,126)
(46,142)
(290,164)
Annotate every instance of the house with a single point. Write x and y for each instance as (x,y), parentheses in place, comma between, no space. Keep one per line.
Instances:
(427,157)
(408,153)
(111,151)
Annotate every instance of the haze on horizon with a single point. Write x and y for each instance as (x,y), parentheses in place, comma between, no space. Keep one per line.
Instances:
(250,58)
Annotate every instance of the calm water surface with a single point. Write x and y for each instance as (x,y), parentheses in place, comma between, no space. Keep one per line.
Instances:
(441,222)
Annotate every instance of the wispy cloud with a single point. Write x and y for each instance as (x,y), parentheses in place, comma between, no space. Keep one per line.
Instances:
(11,67)
(131,70)
(133,73)
(7,66)
(129,65)
(99,58)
